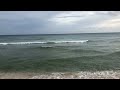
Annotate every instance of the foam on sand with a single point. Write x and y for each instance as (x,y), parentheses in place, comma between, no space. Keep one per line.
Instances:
(61,75)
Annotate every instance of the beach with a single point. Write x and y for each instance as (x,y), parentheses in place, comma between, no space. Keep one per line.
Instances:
(62,75)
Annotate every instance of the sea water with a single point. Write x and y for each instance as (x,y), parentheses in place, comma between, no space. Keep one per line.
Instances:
(60,52)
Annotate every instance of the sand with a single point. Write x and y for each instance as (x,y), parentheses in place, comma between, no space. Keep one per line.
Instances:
(60,75)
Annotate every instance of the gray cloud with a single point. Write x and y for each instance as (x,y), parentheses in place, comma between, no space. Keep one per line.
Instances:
(39,22)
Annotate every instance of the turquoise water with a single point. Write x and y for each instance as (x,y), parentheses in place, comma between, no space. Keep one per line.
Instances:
(60,53)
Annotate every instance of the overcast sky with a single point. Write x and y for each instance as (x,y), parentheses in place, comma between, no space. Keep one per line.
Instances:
(53,22)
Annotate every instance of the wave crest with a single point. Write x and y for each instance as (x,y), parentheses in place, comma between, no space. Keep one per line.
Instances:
(46,42)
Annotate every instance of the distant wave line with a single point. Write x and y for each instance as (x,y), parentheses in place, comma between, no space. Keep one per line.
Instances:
(44,42)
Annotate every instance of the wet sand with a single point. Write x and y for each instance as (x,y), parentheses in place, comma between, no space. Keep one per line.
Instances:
(66,75)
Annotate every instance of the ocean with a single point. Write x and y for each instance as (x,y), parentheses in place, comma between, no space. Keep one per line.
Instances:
(60,52)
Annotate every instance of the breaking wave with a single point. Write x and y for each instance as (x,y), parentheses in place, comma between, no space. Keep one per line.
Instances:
(44,42)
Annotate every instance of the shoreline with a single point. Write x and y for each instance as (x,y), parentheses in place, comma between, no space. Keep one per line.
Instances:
(62,75)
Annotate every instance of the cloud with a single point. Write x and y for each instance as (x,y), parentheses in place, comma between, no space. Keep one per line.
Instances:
(70,17)
(114,23)
(35,22)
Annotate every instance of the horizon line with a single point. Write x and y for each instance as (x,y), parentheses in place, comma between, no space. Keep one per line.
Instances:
(59,33)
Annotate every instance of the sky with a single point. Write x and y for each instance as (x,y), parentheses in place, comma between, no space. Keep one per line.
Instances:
(58,22)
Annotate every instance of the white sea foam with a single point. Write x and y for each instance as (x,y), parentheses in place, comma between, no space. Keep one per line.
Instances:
(3,43)
(62,75)
(22,43)
(80,41)
(45,42)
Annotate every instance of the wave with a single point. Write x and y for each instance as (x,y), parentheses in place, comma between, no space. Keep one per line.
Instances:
(45,42)
(80,41)
(46,46)
(21,43)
